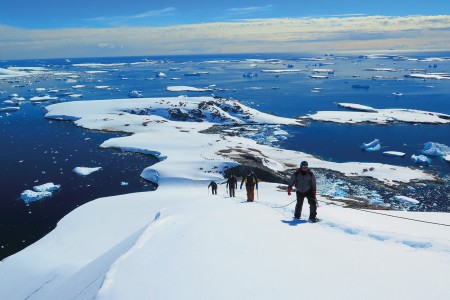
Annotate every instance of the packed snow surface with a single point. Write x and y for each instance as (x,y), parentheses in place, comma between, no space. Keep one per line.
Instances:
(181,243)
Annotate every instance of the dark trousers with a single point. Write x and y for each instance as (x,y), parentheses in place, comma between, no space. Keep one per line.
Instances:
(214,191)
(312,204)
(232,192)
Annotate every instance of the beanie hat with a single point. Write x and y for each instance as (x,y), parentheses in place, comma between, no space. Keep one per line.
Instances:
(303,163)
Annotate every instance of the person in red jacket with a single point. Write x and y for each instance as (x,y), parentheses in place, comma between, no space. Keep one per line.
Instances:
(305,183)
(251,182)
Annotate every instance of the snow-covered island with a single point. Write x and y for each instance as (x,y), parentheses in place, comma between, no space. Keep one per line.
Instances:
(366,114)
(179,242)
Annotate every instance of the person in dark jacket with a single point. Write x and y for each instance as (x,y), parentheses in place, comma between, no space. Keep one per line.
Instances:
(213,186)
(232,185)
(251,182)
(305,183)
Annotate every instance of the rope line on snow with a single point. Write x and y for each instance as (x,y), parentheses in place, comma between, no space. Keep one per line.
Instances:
(374,212)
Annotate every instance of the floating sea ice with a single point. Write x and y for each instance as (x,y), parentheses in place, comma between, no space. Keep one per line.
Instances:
(372,146)
(420,159)
(31,196)
(447,158)
(83,171)
(397,94)
(47,187)
(406,199)
(102,87)
(8,102)
(40,192)
(135,94)
(435,149)
(43,98)
(160,75)
(394,153)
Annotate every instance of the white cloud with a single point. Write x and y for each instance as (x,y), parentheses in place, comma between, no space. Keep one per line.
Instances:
(154,13)
(364,33)
(119,20)
(248,10)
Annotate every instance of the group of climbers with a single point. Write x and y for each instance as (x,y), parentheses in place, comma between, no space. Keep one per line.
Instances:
(303,180)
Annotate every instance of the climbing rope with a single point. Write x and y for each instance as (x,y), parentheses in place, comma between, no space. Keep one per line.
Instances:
(392,216)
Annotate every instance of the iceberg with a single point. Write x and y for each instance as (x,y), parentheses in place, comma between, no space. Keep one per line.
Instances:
(372,146)
(394,153)
(31,196)
(40,192)
(406,199)
(135,94)
(47,187)
(160,75)
(186,89)
(9,109)
(83,171)
(435,149)
(43,98)
(420,159)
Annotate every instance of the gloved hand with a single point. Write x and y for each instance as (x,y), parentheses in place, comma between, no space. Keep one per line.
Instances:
(289,191)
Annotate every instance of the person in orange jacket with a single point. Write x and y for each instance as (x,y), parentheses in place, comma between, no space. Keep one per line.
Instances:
(305,183)
(251,182)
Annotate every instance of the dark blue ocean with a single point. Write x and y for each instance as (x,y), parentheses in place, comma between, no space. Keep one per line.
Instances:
(36,150)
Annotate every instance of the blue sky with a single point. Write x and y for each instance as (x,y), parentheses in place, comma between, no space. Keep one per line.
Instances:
(92,28)
(47,14)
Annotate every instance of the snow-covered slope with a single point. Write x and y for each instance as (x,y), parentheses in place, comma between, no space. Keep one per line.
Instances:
(181,243)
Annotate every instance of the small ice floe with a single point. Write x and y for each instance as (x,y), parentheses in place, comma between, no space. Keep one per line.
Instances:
(437,76)
(17,99)
(187,89)
(447,158)
(316,90)
(283,71)
(435,149)
(40,192)
(135,94)
(96,72)
(318,76)
(9,109)
(76,95)
(405,199)
(420,159)
(327,71)
(8,102)
(196,73)
(43,98)
(397,94)
(83,171)
(160,75)
(78,86)
(40,90)
(175,78)
(394,153)
(102,87)
(123,183)
(249,75)
(372,146)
